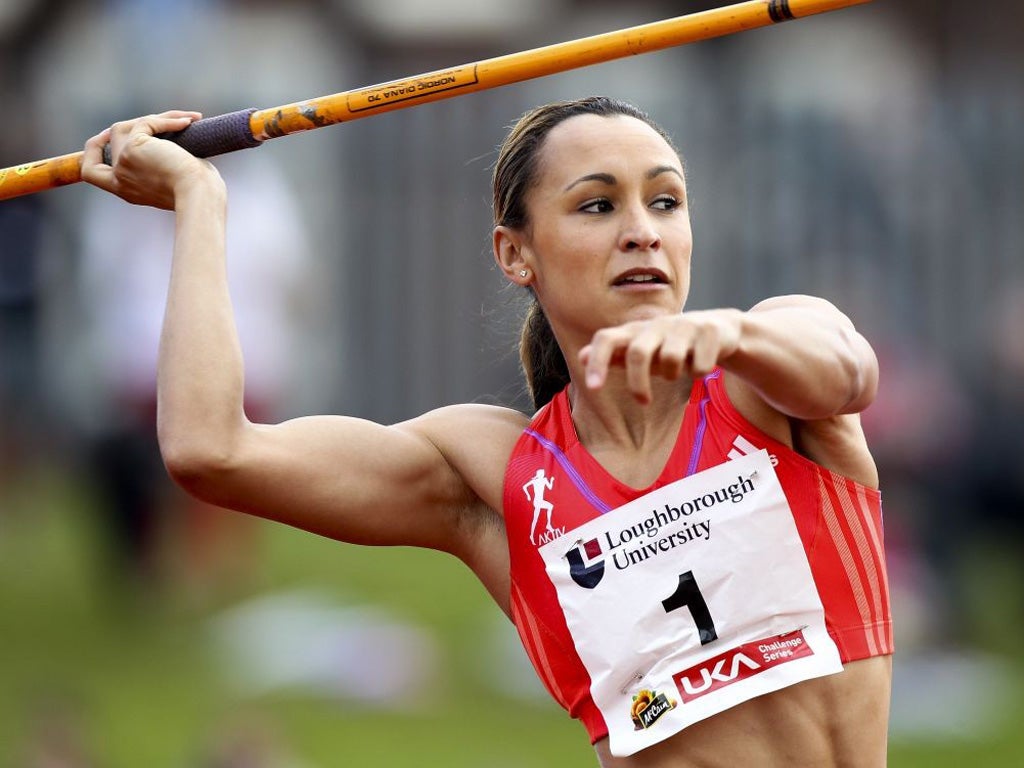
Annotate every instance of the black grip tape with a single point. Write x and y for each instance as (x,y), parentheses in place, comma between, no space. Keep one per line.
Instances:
(211,136)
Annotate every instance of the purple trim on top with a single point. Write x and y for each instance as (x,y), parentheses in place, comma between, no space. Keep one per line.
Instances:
(702,425)
(571,471)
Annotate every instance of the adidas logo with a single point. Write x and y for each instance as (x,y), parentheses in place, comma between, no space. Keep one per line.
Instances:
(741,447)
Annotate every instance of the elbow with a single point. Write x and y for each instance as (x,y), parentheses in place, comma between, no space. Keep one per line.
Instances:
(195,464)
(859,372)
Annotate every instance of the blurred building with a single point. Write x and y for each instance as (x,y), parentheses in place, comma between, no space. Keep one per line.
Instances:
(876,159)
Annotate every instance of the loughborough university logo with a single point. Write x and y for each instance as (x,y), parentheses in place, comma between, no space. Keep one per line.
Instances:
(586,563)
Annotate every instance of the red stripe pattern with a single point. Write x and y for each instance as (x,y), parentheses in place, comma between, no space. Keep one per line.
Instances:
(863,627)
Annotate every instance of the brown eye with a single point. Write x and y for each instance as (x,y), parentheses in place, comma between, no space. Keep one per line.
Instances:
(666,204)
(596,206)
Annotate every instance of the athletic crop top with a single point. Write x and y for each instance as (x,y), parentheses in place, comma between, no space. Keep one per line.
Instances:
(553,486)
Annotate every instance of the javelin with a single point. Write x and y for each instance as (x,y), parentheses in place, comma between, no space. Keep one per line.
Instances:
(251,127)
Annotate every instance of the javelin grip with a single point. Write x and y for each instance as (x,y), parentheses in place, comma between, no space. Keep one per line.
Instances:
(211,136)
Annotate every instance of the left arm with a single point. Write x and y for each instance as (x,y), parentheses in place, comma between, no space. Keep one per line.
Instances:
(799,354)
(804,358)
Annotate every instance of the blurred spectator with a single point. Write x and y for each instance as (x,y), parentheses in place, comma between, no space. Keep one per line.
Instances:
(125,271)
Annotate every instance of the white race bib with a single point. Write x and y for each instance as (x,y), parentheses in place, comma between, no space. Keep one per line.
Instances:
(690,600)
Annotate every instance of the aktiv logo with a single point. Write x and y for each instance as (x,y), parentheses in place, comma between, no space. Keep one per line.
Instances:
(586,563)
(535,488)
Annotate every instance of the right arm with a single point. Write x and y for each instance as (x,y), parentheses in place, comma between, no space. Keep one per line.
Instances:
(412,484)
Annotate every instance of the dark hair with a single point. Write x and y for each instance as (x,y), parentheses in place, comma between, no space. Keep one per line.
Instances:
(515,173)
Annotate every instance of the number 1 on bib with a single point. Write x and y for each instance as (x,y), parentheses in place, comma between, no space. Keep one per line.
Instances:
(688,595)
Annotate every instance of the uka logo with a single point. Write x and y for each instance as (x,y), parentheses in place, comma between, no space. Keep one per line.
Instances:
(741,663)
(714,674)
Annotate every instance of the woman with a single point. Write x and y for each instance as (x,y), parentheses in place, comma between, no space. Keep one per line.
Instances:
(707,585)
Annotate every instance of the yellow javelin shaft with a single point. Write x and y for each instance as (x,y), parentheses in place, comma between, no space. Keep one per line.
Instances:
(271,123)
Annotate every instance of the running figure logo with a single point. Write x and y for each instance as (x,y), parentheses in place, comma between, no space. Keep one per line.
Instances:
(535,488)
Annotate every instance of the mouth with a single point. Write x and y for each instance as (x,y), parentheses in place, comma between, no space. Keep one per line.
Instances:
(641,277)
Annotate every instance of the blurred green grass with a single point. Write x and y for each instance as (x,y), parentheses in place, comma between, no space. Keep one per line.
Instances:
(140,679)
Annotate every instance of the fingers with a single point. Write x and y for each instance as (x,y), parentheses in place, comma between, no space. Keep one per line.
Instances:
(718,338)
(675,356)
(671,347)
(136,132)
(94,170)
(635,346)
(597,356)
(166,122)
(707,346)
(639,359)
(175,114)
(124,132)
(125,160)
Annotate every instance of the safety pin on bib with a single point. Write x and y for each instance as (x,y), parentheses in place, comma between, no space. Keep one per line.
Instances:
(631,682)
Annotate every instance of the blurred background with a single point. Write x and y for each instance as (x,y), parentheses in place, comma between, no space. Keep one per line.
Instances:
(874,156)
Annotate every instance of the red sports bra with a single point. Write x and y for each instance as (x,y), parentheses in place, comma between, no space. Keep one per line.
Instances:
(553,485)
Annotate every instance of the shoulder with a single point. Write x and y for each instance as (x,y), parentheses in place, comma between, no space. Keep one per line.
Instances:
(468,420)
(476,440)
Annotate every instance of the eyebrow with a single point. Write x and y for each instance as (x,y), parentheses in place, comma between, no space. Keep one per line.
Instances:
(609,179)
(657,171)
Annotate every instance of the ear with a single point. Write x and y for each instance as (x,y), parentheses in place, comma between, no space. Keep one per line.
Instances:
(509,253)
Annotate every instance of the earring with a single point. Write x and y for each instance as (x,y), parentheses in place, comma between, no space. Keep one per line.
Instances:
(523,272)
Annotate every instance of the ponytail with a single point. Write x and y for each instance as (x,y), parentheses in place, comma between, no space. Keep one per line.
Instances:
(545,368)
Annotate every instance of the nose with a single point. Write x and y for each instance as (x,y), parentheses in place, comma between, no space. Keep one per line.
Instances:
(639,232)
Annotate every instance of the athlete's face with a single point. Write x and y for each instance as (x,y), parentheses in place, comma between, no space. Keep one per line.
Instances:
(609,237)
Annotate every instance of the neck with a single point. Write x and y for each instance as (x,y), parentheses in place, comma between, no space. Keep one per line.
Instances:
(612,416)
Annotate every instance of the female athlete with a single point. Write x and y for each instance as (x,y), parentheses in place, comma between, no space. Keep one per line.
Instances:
(707,584)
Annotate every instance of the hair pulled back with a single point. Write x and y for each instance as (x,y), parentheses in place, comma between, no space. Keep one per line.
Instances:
(515,173)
